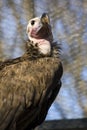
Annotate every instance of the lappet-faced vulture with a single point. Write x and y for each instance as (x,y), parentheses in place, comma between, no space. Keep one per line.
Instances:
(29,84)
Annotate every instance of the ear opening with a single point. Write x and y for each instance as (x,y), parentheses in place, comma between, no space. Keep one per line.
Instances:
(45,18)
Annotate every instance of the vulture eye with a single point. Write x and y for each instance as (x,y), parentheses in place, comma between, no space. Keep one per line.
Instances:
(32,22)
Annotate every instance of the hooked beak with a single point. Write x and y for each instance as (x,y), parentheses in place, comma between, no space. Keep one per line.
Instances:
(44,30)
(45,19)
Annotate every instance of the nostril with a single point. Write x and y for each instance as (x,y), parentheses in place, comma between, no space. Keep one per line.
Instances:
(32,22)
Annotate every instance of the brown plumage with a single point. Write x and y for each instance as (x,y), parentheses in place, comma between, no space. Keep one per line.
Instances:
(28,87)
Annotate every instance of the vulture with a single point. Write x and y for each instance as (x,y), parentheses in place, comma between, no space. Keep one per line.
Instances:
(30,83)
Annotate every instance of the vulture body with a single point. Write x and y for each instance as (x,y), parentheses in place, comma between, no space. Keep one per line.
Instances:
(28,86)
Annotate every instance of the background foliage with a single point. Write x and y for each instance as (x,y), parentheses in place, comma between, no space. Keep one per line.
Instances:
(69,23)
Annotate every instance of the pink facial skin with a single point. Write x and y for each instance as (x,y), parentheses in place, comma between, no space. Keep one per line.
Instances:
(40,34)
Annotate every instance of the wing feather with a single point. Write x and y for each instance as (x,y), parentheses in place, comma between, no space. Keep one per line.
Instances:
(27,90)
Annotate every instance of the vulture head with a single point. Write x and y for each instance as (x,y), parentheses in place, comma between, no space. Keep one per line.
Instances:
(40,33)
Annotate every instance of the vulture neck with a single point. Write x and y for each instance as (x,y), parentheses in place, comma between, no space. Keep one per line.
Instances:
(32,51)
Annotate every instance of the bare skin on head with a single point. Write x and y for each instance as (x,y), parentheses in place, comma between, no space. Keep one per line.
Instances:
(39,31)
